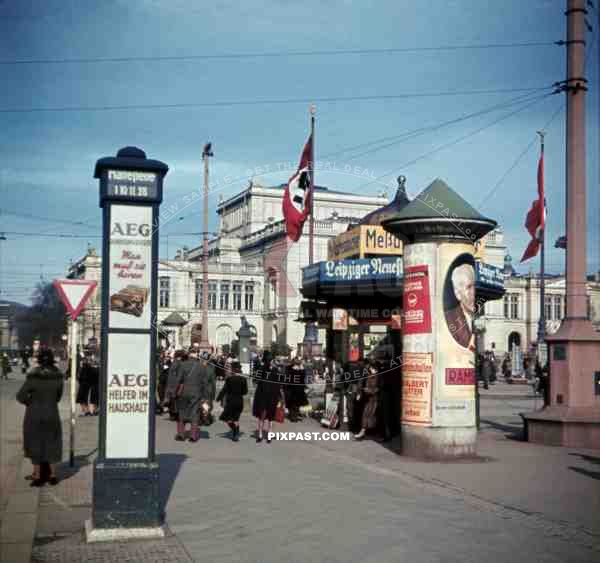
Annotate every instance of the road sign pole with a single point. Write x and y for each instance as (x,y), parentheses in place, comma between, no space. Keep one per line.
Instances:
(73,391)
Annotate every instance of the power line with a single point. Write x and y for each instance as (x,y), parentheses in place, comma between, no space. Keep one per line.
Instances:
(40,218)
(456,141)
(520,156)
(422,130)
(282,54)
(236,103)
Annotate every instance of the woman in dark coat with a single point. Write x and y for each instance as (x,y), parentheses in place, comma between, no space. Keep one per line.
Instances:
(295,390)
(172,381)
(267,395)
(231,397)
(42,430)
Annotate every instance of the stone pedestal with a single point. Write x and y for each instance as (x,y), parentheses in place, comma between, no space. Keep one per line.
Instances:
(573,416)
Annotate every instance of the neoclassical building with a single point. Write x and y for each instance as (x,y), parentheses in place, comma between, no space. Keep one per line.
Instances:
(251,274)
(246,269)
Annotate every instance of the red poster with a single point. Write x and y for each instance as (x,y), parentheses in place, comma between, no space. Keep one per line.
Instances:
(416,301)
(460,376)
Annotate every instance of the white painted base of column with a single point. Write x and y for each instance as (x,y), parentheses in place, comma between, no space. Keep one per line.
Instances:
(439,443)
(93,535)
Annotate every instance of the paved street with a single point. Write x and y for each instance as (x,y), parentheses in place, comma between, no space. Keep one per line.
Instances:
(340,501)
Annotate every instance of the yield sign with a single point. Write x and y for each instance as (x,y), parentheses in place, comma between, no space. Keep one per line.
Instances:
(74,294)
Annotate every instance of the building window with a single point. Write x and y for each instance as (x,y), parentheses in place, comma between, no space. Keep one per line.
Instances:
(548,307)
(558,308)
(198,293)
(511,306)
(224,302)
(212,295)
(514,306)
(237,296)
(165,292)
(249,297)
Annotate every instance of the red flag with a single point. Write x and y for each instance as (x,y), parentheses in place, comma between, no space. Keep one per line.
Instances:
(536,217)
(298,195)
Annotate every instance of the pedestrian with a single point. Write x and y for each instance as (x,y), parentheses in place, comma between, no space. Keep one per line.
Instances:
(85,377)
(42,430)
(231,398)
(192,394)
(295,389)
(25,354)
(164,367)
(267,396)
(486,370)
(94,383)
(170,400)
(506,365)
(6,369)
(370,390)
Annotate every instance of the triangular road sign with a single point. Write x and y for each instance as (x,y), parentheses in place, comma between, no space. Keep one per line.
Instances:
(74,294)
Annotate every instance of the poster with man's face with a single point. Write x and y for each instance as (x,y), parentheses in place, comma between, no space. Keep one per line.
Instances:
(459,299)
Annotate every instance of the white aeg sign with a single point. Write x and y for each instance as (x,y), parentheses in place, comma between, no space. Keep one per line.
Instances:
(127,395)
(130,267)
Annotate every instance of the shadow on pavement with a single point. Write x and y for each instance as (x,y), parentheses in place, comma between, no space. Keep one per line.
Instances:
(514,431)
(170,465)
(586,472)
(65,471)
(590,458)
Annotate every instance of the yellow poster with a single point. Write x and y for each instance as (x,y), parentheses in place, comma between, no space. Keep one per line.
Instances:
(456,307)
(377,241)
(364,240)
(416,388)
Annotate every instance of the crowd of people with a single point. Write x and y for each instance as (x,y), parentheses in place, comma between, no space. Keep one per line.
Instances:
(187,390)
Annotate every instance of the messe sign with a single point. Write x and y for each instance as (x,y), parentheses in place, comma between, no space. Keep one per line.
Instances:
(125,493)
(364,240)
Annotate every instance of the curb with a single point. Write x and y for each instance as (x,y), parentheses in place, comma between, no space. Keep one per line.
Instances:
(17,531)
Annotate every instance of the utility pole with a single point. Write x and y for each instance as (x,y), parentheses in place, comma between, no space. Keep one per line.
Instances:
(573,416)
(542,237)
(204,342)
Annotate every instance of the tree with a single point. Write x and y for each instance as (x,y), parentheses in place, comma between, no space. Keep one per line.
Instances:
(45,320)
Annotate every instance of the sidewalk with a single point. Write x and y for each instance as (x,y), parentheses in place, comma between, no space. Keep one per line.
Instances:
(230,502)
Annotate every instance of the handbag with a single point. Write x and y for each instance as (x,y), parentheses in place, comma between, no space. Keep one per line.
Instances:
(280,414)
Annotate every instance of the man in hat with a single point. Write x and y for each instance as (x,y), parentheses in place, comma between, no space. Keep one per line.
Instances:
(192,393)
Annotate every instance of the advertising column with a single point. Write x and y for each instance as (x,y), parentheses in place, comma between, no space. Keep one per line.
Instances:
(126,473)
(438,377)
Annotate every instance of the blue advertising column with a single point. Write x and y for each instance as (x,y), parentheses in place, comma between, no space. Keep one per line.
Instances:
(126,474)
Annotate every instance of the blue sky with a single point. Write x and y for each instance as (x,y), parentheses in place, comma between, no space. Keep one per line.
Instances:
(47,158)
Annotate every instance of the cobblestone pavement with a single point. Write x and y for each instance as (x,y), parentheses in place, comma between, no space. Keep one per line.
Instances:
(323,501)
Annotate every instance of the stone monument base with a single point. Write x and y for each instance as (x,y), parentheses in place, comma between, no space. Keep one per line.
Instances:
(559,425)
(439,443)
(93,535)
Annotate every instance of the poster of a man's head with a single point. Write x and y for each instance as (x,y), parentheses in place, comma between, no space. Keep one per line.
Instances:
(459,299)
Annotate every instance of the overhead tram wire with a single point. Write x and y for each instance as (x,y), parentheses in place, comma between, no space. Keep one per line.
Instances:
(282,54)
(409,134)
(422,130)
(521,155)
(282,101)
(416,132)
(455,141)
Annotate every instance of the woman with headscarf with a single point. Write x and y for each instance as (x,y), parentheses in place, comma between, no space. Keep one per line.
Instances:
(42,429)
(231,397)
(266,396)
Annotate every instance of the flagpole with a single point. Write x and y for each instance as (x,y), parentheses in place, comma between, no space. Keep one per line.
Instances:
(542,322)
(311,220)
